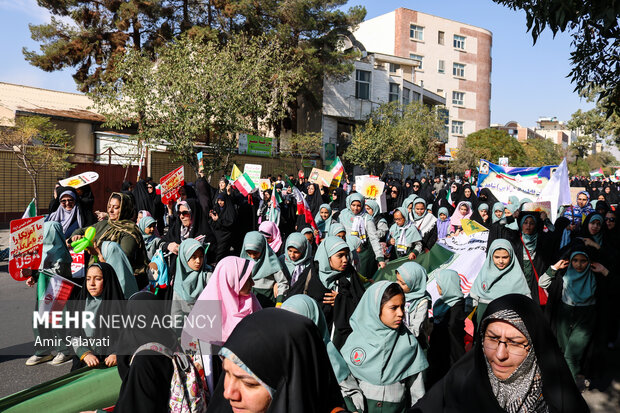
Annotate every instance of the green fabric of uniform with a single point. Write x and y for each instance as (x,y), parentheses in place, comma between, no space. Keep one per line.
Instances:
(412,235)
(322,224)
(492,283)
(306,306)
(268,262)
(301,244)
(598,238)
(372,204)
(498,206)
(188,283)
(579,286)
(55,255)
(83,389)
(450,284)
(575,326)
(327,248)
(529,240)
(336,228)
(414,275)
(114,255)
(375,352)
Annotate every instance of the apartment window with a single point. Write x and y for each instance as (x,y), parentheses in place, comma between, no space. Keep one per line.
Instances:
(459,42)
(458,70)
(457,98)
(415,96)
(416,32)
(441,66)
(406,94)
(441,37)
(394,92)
(394,67)
(362,84)
(418,58)
(457,127)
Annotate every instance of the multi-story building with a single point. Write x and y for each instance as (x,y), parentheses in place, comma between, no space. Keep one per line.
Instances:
(454,57)
(520,133)
(556,130)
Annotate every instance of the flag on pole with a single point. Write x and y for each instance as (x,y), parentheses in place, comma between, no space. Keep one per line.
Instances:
(236,173)
(597,173)
(336,169)
(54,293)
(245,185)
(557,190)
(303,208)
(273,213)
(31,210)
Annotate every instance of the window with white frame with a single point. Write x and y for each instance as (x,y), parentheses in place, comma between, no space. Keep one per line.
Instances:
(406,94)
(458,69)
(394,92)
(362,84)
(459,42)
(441,66)
(416,32)
(458,98)
(394,67)
(457,127)
(418,58)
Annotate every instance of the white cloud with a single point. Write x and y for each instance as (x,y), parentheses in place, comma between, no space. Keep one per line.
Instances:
(27,7)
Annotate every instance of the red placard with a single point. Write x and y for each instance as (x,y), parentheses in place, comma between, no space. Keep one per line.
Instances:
(468,173)
(25,245)
(77,264)
(170,184)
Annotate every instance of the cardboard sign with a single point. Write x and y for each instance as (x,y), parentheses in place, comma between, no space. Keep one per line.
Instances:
(253,171)
(170,184)
(80,180)
(538,207)
(201,164)
(264,185)
(371,188)
(255,145)
(320,177)
(25,245)
(77,265)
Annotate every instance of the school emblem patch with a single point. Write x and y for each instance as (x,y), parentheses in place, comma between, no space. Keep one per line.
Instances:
(358,355)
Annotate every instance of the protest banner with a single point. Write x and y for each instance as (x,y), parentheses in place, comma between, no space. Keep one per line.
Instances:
(253,170)
(544,206)
(170,184)
(77,264)
(321,177)
(264,185)
(256,145)
(25,245)
(471,227)
(80,180)
(508,181)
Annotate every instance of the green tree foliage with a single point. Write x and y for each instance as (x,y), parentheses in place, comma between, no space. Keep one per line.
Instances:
(395,133)
(489,144)
(594,125)
(594,27)
(541,152)
(101,32)
(583,167)
(304,145)
(201,91)
(38,146)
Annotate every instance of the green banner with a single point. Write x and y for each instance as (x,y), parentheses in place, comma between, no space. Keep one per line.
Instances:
(259,146)
(430,261)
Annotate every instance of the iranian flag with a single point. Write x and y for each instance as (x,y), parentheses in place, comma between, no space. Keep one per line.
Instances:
(303,208)
(336,169)
(274,203)
(53,291)
(245,185)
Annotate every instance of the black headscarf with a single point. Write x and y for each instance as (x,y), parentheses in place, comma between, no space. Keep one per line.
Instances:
(286,352)
(473,199)
(340,203)
(393,203)
(144,200)
(487,197)
(315,200)
(467,388)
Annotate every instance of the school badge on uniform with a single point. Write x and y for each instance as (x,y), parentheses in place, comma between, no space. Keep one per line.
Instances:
(358,355)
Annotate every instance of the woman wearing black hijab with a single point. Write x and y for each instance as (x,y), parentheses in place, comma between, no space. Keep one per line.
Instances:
(222,220)
(487,197)
(145,380)
(284,355)
(395,196)
(339,202)
(144,201)
(468,195)
(314,200)
(490,378)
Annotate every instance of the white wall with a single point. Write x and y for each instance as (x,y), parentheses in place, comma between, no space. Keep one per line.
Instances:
(378,34)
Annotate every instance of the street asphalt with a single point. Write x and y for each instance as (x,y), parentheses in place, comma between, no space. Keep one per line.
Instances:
(16,343)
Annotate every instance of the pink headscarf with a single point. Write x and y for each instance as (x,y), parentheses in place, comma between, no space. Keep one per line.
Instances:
(271,230)
(455,219)
(230,274)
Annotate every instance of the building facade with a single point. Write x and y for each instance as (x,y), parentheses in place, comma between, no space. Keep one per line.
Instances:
(454,62)
(555,130)
(520,133)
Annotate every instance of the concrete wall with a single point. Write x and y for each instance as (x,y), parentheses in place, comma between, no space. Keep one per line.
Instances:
(378,34)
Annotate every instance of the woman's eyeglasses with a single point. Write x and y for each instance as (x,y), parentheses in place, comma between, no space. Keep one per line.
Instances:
(610,219)
(185,213)
(516,349)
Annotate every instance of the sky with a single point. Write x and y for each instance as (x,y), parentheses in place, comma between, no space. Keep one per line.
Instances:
(528,81)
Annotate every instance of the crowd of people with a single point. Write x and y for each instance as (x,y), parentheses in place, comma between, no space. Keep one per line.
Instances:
(305,326)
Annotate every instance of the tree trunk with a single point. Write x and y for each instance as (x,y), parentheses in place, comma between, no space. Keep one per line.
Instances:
(35,190)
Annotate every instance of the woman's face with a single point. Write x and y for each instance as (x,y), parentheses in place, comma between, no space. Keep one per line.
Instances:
(402,282)
(579,262)
(356,207)
(310,189)
(94,281)
(139,218)
(341,235)
(601,197)
(505,347)
(463,209)
(150,229)
(582,200)
(255,255)
(415,186)
(339,260)
(507,212)
(150,188)
(399,219)
(394,192)
(324,214)
(453,188)
(610,220)
(467,192)
(243,392)
(443,216)
(529,226)
(220,202)
(196,260)
(114,209)
(334,195)
(293,253)
(499,213)
(67,202)
(247,287)
(309,236)
(607,189)
(393,311)
(501,258)
(419,209)
(369,210)
(222,185)
(185,215)
(484,214)
(594,227)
